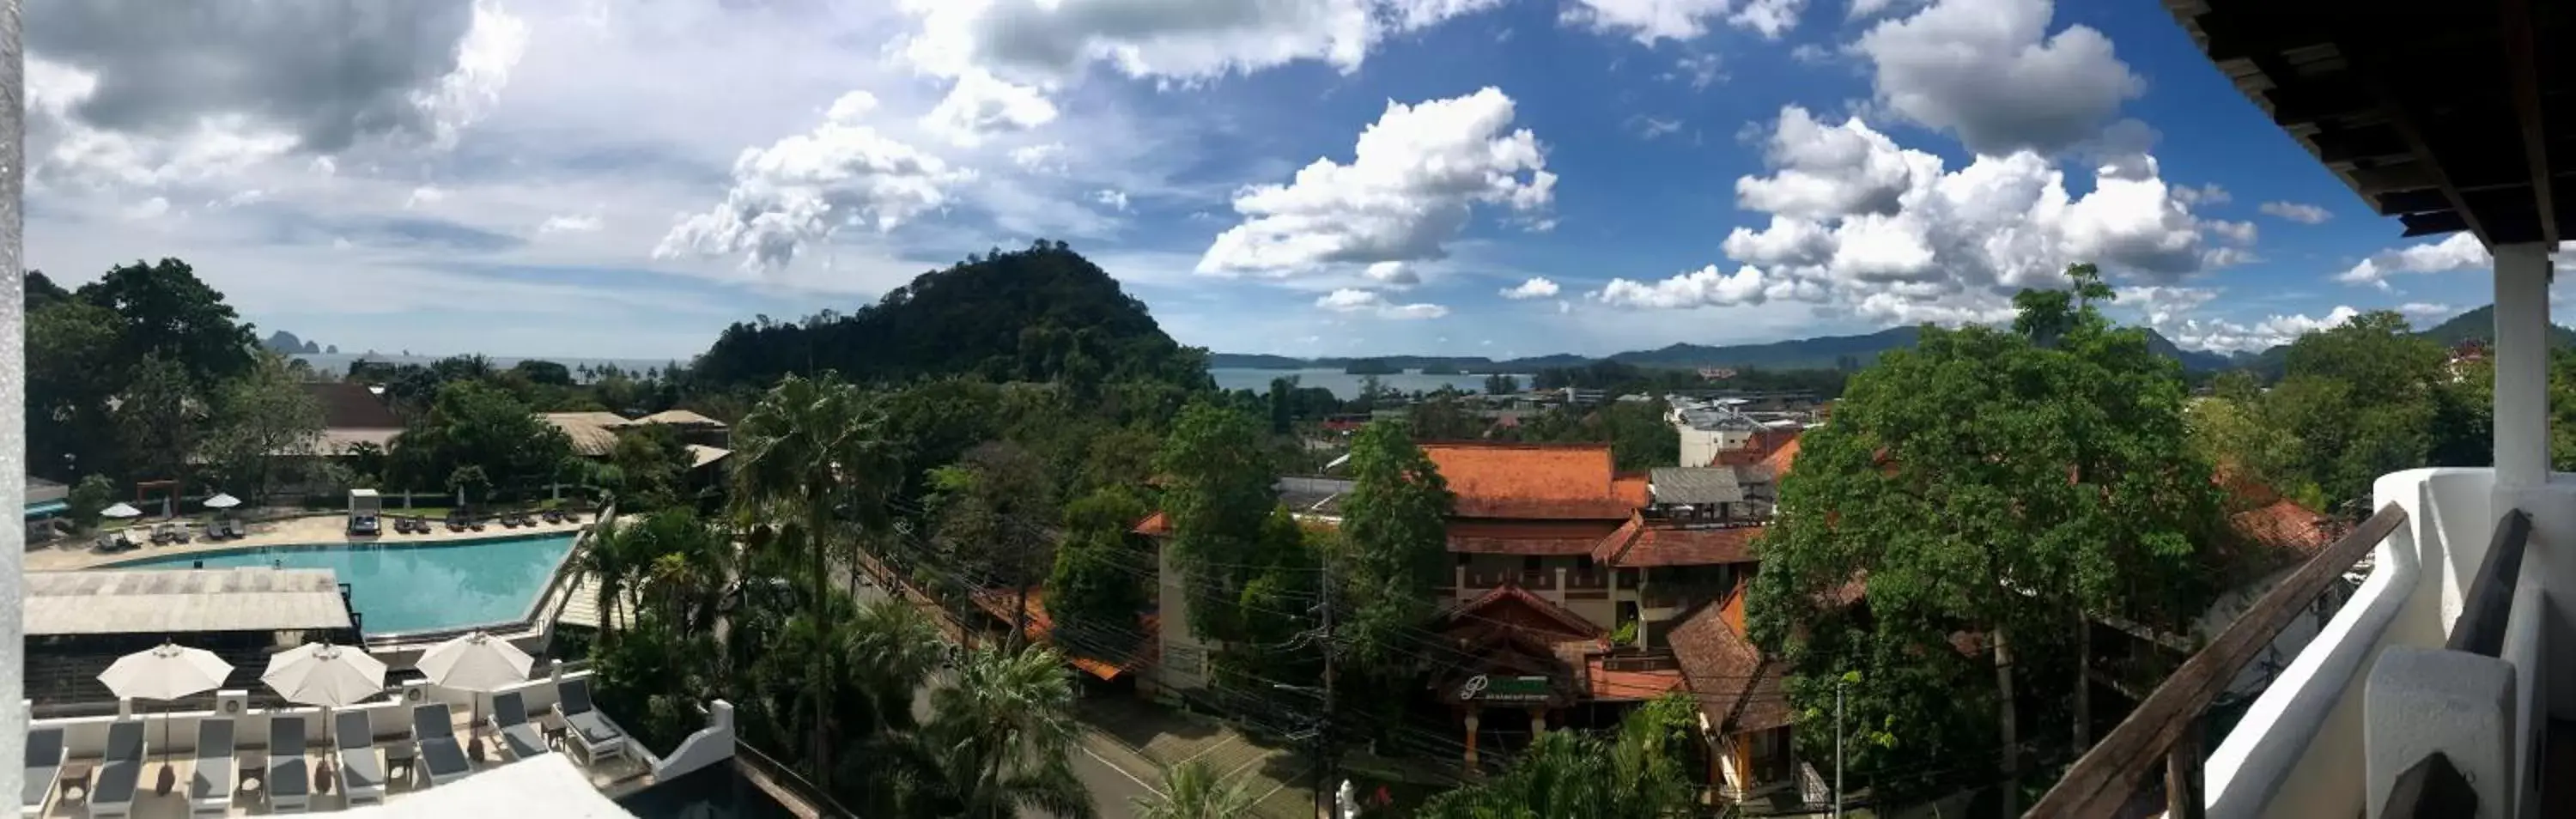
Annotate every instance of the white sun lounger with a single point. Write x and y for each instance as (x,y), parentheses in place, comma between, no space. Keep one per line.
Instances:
(362,776)
(290,783)
(210,784)
(433,727)
(45,755)
(120,771)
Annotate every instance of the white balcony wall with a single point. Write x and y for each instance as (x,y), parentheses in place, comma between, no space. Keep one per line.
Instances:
(2299,750)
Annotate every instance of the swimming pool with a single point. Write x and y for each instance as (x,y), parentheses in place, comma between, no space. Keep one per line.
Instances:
(405,587)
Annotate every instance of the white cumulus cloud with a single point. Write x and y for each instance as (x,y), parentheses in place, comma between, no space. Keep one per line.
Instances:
(2296,212)
(980,105)
(569,223)
(1990,72)
(1648,21)
(1864,226)
(808,186)
(1538,287)
(1414,179)
(1187,40)
(2458,251)
(1349,300)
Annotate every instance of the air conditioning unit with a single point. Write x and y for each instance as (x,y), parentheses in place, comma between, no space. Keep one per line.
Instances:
(415,692)
(232,703)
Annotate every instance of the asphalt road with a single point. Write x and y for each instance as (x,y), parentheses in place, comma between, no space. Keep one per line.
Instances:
(1113,788)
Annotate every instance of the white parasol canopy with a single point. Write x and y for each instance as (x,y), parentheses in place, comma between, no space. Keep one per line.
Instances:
(121,510)
(222,501)
(324,674)
(165,672)
(475,662)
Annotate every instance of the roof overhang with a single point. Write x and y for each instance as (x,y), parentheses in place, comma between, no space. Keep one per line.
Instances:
(2450,116)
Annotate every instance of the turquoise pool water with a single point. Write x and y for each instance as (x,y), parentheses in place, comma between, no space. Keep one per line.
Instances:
(403,587)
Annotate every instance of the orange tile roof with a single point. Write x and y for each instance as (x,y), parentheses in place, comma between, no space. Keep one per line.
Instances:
(1639,544)
(1536,481)
(997,602)
(1604,684)
(1514,607)
(1739,689)
(1155,525)
(1779,459)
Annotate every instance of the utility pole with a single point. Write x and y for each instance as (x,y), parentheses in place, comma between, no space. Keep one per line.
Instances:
(1838,748)
(1324,794)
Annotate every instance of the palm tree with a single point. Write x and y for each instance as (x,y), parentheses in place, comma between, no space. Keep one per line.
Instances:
(1000,740)
(613,558)
(1193,791)
(1637,773)
(810,461)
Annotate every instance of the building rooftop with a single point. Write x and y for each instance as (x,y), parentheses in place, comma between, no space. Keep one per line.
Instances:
(182,601)
(347,405)
(593,434)
(1738,688)
(681,418)
(1640,544)
(1695,485)
(1531,480)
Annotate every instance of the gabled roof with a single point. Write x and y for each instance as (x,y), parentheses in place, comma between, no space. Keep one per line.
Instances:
(1641,544)
(1739,689)
(1696,485)
(1535,481)
(681,418)
(593,434)
(348,405)
(1514,606)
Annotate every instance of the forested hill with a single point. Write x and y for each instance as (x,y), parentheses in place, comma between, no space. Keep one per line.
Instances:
(2474,325)
(1040,314)
(1823,352)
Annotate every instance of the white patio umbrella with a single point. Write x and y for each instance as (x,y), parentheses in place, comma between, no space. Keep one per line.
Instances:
(120,511)
(165,672)
(478,663)
(222,501)
(324,674)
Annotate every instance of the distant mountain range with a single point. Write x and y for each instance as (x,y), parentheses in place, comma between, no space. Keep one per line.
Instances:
(1826,352)
(286,342)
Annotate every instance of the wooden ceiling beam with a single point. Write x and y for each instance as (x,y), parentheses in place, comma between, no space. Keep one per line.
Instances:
(2522,70)
(2365,57)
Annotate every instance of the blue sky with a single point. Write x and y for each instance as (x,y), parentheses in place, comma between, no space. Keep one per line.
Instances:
(1313,177)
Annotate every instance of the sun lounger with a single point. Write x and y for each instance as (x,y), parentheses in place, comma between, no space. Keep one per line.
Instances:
(45,754)
(433,727)
(290,784)
(210,783)
(510,719)
(588,728)
(120,771)
(234,528)
(551,516)
(362,775)
(475,524)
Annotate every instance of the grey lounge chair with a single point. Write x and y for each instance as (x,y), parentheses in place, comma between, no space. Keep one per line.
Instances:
(119,771)
(210,783)
(510,718)
(290,783)
(433,727)
(589,729)
(362,775)
(45,754)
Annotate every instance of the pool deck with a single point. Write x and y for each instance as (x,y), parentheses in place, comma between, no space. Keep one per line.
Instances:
(304,531)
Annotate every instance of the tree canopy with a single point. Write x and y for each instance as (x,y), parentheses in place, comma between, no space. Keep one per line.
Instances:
(474,425)
(1999,484)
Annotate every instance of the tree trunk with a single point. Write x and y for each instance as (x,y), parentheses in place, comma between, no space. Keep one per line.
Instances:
(816,543)
(1019,621)
(2007,724)
(2083,682)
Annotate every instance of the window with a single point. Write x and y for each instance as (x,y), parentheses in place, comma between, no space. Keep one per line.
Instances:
(1465,558)
(1583,563)
(1530,563)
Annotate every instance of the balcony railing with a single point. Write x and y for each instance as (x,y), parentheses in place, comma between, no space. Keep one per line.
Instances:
(2164,733)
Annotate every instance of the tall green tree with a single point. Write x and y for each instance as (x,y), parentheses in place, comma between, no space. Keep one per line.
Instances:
(1218,494)
(996,508)
(1096,589)
(2361,398)
(161,417)
(1395,528)
(2003,483)
(651,467)
(1000,741)
(73,378)
(473,424)
(258,417)
(169,313)
(812,467)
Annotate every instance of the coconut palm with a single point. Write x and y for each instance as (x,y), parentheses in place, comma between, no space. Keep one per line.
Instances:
(1000,741)
(614,559)
(812,465)
(1194,791)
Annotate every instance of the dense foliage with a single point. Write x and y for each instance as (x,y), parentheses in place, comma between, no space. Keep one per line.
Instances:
(1640,772)
(1996,484)
(1040,314)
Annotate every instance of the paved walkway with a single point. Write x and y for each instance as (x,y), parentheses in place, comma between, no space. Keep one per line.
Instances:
(312,529)
(1160,736)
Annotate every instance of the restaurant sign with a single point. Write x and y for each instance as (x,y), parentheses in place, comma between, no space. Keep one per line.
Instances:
(1505,689)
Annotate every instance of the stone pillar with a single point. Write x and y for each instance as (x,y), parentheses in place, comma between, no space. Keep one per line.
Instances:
(1471,739)
(2521,357)
(2421,701)
(1460,586)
